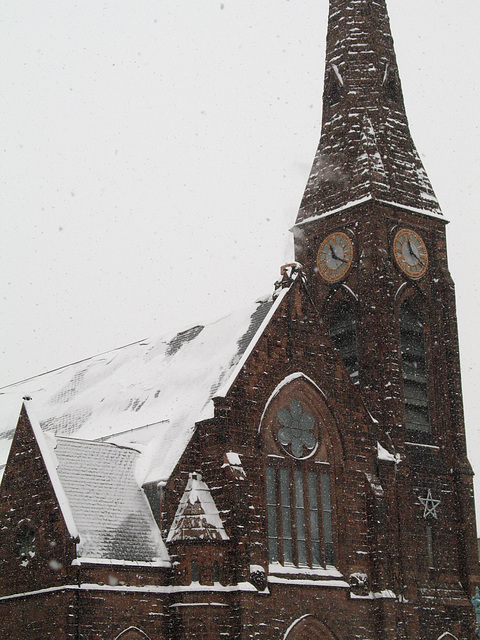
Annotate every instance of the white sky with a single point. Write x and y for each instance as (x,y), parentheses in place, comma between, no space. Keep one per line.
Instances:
(154,154)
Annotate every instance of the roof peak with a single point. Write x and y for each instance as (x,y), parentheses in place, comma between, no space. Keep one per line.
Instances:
(197,516)
(365,149)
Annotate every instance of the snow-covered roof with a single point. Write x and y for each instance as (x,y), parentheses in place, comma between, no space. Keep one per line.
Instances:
(151,392)
(110,510)
(197,516)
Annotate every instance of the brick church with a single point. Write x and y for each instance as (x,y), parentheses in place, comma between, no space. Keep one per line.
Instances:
(296,470)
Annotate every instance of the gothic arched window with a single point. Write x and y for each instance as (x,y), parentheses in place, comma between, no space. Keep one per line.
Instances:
(343,332)
(414,368)
(298,478)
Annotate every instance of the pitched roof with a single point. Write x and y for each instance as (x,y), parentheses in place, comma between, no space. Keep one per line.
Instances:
(197,516)
(103,506)
(110,510)
(151,392)
(365,150)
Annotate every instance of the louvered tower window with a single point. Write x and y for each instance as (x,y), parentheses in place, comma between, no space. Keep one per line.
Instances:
(343,332)
(414,370)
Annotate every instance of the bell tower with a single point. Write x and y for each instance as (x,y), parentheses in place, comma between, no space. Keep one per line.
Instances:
(371,238)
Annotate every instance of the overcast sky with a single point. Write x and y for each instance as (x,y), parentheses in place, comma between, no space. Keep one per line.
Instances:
(155,154)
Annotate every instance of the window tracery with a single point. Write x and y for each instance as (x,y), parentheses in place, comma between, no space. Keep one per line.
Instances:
(298,479)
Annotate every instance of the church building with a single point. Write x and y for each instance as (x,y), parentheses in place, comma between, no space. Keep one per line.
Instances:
(296,470)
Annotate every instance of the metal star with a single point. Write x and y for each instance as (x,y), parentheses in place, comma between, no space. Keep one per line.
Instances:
(430,505)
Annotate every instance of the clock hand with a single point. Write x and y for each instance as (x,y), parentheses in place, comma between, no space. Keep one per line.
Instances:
(335,256)
(413,254)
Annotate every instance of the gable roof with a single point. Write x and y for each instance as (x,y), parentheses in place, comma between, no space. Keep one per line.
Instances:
(51,464)
(105,511)
(110,510)
(151,392)
(197,516)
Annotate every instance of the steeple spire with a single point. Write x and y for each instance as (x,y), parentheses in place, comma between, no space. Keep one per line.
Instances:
(366,150)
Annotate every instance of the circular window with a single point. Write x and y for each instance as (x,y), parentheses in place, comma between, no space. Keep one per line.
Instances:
(297,431)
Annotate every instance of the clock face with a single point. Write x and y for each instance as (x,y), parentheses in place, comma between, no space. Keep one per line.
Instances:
(410,253)
(335,256)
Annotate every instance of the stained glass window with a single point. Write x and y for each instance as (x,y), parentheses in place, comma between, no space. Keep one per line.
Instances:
(300,518)
(272,514)
(296,517)
(286,516)
(327,518)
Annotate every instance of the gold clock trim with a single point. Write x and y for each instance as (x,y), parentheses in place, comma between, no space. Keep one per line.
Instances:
(410,253)
(335,256)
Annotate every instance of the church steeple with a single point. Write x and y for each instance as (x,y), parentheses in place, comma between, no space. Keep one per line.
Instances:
(365,150)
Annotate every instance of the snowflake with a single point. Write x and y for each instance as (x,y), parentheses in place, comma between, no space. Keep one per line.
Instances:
(297,429)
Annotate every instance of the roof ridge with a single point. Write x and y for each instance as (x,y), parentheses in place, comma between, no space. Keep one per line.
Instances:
(87,441)
(259,301)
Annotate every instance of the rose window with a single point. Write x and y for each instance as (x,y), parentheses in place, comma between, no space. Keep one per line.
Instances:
(297,432)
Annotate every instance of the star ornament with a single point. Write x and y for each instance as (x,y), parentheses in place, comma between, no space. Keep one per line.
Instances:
(430,505)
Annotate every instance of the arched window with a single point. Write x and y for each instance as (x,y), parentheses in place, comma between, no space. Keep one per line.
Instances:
(343,332)
(298,478)
(414,369)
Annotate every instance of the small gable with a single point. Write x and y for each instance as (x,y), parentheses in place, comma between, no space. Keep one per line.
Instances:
(38,533)
(197,516)
(87,490)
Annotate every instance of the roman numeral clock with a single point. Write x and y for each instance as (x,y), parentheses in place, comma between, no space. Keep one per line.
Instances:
(335,256)
(410,253)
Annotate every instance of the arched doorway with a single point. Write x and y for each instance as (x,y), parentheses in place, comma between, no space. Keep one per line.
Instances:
(308,628)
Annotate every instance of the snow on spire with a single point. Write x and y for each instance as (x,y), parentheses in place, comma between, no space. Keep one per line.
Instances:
(366,150)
